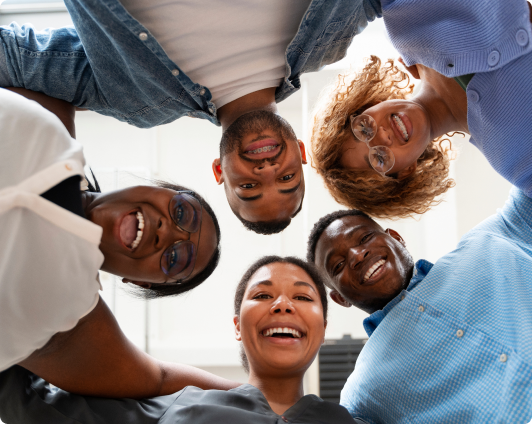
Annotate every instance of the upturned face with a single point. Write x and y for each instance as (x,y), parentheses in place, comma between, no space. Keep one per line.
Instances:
(403,127)
(281,321)
(261,167)
(135,256)
(367,265)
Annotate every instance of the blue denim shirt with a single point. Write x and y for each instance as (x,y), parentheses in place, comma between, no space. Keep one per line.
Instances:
(111,64)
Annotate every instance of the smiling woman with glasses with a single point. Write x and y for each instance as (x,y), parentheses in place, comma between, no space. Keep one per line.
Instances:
(54,237)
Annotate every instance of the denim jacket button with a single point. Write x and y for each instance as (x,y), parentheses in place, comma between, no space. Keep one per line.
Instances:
(473,96)
(175,72)
(521,37)
(202,92)
(493,58)
(143,36)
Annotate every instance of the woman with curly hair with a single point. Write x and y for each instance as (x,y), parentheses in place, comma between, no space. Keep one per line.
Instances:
(382,150)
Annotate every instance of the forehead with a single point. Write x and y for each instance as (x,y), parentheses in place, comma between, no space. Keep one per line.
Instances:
(339,230)
(281,275)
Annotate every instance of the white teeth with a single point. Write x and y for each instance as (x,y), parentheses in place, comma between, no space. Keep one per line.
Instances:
(140,231)
(401,126)
(271,331)
(374,268)
(262,149)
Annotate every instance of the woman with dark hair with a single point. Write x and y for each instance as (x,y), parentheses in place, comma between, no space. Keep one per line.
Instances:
(384,152)
(280,318)
(53,240)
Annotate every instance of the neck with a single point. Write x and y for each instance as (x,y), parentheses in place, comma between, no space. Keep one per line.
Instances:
(445,102)
(280,392)
(87,200)
(259,100)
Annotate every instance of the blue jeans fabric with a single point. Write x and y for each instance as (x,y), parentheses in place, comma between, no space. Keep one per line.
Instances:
(103,64)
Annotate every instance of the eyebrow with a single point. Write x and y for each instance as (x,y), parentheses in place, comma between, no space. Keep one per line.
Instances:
(258,196)
(269,283)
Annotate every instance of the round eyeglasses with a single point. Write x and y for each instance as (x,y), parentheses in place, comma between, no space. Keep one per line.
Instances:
(178,260)
(365,128)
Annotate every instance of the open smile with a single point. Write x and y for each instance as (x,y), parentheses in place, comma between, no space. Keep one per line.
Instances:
(402,126)
(374,272)
(282,333)
(131,229)
(263,149)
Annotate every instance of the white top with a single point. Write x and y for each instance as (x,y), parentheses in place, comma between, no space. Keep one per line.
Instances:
(49,257)
(232,47)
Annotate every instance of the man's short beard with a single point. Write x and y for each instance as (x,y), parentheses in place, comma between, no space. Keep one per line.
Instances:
(255,122)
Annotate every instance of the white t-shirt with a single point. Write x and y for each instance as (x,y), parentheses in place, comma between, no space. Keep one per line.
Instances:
(232,47)
(49,257)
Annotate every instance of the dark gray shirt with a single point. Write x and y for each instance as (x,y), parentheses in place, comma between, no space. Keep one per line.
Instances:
(28,399)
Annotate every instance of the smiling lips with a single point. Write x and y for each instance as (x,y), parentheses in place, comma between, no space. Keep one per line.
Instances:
(401,126)
(132,229)
(375,270)
(282,332)
(262,149)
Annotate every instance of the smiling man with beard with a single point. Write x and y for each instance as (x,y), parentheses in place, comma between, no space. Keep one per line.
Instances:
(262,174)
(448,342)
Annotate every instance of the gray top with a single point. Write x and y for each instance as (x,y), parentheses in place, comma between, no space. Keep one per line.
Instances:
(28,399)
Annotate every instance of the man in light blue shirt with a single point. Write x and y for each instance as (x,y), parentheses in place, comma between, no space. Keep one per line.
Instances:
(449,342)
(121,66)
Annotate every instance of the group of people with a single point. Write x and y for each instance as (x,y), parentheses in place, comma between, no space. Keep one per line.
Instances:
(448,342)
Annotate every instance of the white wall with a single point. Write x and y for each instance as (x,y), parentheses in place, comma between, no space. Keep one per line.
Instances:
(197,328)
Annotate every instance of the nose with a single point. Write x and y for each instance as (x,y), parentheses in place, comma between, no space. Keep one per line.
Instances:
(382,138)
(266,170)
(168,233)
(356,255)
(282,305)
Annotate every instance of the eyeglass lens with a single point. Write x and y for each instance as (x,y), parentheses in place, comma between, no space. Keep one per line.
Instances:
(381,158)
(179,259)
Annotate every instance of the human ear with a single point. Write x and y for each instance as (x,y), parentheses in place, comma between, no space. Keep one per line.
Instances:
(395,235)
(412,70)
(303,153)
(403,173)
(137,283)
(217,169)
(338,298)
(236,321)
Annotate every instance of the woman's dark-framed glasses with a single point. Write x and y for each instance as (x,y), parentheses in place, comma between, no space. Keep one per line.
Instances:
(365,128)
(178,260)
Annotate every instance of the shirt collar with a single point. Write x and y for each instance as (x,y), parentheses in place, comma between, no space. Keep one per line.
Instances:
(421,269)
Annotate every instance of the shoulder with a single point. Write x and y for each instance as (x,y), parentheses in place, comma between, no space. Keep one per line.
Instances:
(32,139)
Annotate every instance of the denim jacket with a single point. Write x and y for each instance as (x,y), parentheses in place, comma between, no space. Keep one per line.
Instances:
(111,64)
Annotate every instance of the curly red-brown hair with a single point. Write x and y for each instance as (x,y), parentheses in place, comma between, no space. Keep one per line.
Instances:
(366,190)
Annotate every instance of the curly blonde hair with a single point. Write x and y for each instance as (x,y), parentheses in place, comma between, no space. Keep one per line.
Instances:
(366,190)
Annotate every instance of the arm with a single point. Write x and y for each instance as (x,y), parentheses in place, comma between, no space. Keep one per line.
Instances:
(95,358)
(63,110)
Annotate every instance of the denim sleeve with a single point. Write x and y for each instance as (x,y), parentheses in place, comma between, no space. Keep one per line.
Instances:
(52,62)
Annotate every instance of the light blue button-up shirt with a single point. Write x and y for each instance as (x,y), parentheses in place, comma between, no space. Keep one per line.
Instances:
(111,64)
(456,346)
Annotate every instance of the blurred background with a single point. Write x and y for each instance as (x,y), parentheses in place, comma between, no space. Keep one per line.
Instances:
(197,328)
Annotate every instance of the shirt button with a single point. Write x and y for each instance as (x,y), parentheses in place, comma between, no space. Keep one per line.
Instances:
(493,58)
(521,37)
(473,96)
(68,167)
(202,92)
(503,358)
(175,72)
(403,297)
(284,419)
(143,36)
(459,333)
(421,308)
